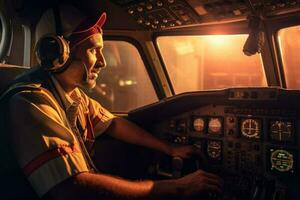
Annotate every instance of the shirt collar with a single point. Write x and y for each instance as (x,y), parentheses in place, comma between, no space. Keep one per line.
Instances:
(67,100)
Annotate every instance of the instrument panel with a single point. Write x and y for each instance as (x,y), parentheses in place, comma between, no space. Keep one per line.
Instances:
(238,143)
(248,136)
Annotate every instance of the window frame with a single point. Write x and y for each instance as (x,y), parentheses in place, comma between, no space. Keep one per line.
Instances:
(282,23)
(6,36)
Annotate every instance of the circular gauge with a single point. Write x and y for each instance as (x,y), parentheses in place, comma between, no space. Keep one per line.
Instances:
(281,130)
(215,126)
(214,150)
(282,160)
(198,124)
(250,128)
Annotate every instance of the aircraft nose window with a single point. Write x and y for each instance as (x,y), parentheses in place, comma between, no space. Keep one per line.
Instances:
(210,62)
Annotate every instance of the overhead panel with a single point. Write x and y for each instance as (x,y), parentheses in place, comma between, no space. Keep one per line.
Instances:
(166,14)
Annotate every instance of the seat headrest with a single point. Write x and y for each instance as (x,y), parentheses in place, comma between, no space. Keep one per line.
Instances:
(8,73)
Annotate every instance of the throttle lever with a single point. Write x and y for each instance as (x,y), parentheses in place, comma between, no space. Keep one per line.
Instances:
(177,164)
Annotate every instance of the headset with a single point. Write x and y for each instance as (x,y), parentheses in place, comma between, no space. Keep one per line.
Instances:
(53,51)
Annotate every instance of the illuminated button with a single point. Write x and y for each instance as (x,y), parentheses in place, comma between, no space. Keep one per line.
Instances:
(139,21)
(178,22)
(237,12)
(185,18)
(281,5)
(154,26)
(230,119)
(172,24)
(140,9)
(147,23)
(162,26)
(272,7)
(159,4)
(130,11)
(165,21)
(156,21)
(181,12)
(149,6)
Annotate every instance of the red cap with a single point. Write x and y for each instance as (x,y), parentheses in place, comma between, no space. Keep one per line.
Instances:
(86,29)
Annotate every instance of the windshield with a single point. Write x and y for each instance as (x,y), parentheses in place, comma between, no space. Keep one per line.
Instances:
(196,63)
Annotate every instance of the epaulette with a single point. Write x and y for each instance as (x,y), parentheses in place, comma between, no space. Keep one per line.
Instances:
(18,87)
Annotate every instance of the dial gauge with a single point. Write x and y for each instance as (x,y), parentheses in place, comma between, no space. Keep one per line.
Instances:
(198,124)
(282,160)
(215,125)
(250,128)
(214,149)
(281,131)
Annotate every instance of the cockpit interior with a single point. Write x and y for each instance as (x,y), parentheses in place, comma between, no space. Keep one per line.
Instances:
(222,75)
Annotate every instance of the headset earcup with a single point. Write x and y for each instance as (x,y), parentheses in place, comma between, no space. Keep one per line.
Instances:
(52,52)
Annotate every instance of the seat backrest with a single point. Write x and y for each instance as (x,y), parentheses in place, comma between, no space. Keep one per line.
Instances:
(8,73)
(13,184)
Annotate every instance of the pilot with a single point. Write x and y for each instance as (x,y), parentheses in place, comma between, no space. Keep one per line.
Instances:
(53,123)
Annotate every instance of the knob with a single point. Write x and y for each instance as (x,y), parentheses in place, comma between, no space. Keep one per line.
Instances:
(130,11)
(140,9)
(159,4)
(149,6)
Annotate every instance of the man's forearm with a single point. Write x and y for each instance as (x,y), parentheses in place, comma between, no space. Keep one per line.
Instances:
(108,187)
(128,132)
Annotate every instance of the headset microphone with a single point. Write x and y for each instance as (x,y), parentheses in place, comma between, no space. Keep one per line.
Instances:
(87,74)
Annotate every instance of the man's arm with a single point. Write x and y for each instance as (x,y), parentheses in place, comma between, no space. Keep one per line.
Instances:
(127,131)
(100,186)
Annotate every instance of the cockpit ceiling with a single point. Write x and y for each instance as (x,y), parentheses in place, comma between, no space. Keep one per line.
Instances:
(168,14)
(157,15)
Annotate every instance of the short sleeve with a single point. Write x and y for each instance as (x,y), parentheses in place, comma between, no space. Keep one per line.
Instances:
(100,117)
(45,148)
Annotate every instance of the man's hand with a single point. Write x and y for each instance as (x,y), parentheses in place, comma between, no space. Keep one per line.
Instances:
(199,182)
(185,151)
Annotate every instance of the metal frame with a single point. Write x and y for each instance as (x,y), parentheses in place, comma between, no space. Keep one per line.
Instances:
(5,41)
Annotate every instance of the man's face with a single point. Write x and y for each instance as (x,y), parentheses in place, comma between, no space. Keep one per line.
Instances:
(90,60)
